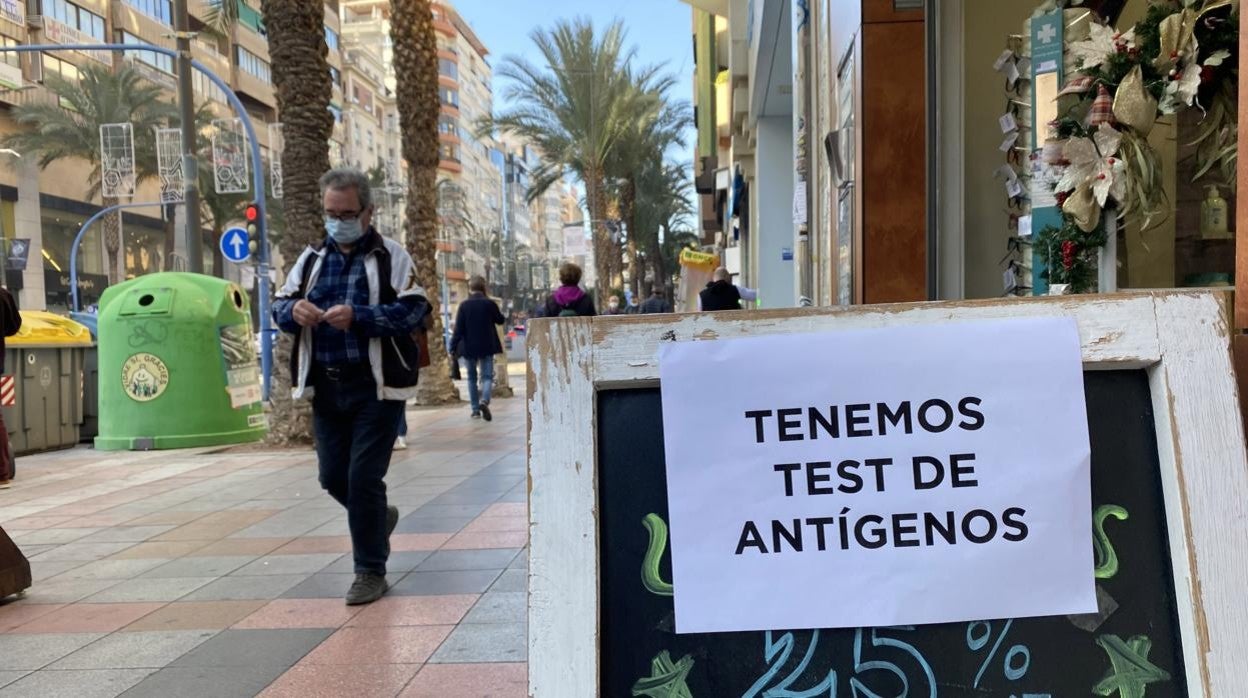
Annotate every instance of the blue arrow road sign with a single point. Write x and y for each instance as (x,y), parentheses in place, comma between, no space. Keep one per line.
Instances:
(235,245)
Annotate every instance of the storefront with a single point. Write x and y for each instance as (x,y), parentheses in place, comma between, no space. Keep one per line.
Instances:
(929,174)
(1109,163)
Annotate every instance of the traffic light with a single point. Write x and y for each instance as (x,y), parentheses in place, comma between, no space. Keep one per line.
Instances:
(253,220)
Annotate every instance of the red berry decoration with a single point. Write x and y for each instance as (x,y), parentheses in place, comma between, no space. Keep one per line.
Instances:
(1068,254)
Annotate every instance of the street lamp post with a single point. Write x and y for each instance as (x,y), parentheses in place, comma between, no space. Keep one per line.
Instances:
(190,169)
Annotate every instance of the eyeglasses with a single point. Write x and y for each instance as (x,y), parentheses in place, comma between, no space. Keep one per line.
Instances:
(345,216)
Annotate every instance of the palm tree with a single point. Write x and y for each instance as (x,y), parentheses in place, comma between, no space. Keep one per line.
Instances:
(665,188)
(575,109)
(70,129)
(416,65)
(659,124)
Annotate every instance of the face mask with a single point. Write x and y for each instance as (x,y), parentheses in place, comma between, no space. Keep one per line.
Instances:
(344,232)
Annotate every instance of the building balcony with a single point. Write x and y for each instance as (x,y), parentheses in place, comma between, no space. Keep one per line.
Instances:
(450,165)
(456,275)
(443,27)
(28,96)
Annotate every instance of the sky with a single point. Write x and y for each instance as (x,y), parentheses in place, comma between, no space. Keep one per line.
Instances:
(661,30)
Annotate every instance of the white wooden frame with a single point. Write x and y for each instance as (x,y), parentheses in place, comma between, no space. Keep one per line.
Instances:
(1180,338)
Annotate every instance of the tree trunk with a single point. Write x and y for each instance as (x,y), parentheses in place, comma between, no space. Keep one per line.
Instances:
(603,244)
(628,211)
(297,50)
(416,65)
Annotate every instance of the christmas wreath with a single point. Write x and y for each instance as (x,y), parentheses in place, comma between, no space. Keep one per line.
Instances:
(1182,54)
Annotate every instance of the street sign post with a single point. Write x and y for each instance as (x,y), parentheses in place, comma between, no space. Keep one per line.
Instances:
(235,245)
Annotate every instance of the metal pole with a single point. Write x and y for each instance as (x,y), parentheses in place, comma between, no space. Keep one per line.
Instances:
(190,170)
(266,321)
(82,232)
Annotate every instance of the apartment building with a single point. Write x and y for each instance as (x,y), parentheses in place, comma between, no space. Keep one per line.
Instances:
(48,207)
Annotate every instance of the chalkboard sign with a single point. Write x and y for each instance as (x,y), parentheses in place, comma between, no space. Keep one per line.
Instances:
(1170,523)
(1132,645)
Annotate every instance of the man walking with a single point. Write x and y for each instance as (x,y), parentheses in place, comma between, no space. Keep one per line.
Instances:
(477,341)
(353,303)
(656,303)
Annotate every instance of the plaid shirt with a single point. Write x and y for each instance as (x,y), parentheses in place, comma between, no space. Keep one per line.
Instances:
(342,281)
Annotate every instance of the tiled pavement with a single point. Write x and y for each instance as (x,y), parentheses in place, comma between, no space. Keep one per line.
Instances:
(197,574)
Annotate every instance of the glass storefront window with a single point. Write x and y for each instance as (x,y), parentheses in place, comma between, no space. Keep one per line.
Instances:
(1188,241)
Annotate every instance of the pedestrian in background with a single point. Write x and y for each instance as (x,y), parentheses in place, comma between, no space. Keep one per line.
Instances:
(722,294)
(340,300)
(10,323)
(569,300)
(477,341)
(656,303)
(613,305)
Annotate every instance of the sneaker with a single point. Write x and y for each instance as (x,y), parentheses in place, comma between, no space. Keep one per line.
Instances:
(5,484)
(485,412)
(476,414)
(392,519)
(400,444)
(367,588)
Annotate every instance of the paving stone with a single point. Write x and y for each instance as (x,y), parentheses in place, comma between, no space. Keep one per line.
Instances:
(240,648)
(500,607)
(451,510)
(82,551)
(286,564)
(512,580)
(231,588)
(37,650)
(444,560)
(136,590)
(449,582)
(90,683)
(113,569)
(432,524)
(126,534)
(206,682)
(200,566)
(484,642)
(8,677)
(135,650)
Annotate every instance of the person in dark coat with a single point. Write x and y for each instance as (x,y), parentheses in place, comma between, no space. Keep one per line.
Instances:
(569,300)
(720,294)
(10,323)
(656,303)
(476,340)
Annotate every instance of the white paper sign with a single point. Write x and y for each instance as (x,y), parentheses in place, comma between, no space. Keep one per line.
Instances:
(878,477)
(1008,122)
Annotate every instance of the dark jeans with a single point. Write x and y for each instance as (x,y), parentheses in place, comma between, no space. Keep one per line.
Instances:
(355,435)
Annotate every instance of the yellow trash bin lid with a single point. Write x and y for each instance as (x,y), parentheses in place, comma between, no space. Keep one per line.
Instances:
(41,328)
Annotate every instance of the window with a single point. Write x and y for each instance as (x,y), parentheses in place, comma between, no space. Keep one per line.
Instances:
(254,65)
(335,75)
(69,14)
(331,39)
(156,9)
(449,96)
(448,151)
(157,60)
(250,18)
(448,68)
(55,66)
(9,57)
(370,140)
(206,88)
(337,113)
(447,124)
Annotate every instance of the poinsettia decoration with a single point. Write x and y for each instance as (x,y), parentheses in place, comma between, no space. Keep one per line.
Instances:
(1182,55)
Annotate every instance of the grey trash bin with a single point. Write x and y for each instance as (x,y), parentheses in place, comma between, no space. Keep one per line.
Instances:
(46,361)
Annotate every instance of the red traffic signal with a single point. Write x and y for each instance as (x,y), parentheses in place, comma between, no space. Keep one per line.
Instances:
(252,213)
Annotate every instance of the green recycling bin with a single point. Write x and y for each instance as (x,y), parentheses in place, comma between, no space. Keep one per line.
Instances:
(178,365)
